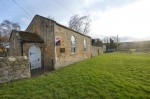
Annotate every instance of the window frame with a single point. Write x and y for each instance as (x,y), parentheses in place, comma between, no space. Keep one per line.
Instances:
(84,45)
(73,44)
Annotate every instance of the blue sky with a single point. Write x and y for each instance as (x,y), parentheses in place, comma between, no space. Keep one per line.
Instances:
(129,19)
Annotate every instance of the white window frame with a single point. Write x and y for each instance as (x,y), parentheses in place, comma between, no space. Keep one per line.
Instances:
(73,44)
(84,45)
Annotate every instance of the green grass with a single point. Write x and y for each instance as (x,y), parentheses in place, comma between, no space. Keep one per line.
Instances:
(109,76)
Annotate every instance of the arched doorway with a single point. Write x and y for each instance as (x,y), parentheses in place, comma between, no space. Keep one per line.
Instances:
(35,57)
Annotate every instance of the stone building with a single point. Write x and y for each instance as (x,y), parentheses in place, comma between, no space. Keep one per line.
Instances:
(49,45)
(97,47)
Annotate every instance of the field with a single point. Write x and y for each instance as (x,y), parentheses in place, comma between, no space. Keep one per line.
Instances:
(109,76)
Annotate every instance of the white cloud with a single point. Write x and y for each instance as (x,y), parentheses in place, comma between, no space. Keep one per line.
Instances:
(127,18)
(130,20)
(25,21)
(89,2)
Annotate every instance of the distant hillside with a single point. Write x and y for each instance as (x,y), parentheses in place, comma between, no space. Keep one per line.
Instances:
(135,45)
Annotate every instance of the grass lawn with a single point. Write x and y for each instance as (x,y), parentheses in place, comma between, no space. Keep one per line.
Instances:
(109,76)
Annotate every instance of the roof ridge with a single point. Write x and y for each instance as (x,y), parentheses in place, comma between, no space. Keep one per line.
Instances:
(62,25)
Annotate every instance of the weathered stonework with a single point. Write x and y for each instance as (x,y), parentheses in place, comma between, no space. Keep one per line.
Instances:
(54,56)
(66,58)
(14,45)
(14,68)
(51,56)
(96,51)
(44,27)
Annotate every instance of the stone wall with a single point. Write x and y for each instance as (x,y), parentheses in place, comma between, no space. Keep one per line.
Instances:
(44,27)
(14,45)
(52,57)
(66,57)
(12,68)
(96,51)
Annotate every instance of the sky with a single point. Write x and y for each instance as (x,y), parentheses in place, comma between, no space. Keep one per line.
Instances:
(129,19)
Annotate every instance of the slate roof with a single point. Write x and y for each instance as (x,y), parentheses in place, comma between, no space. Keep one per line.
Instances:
(30,37)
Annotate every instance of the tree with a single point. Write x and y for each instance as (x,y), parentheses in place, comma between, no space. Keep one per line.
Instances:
(80,24)
(97,42)
(106,39)
(5,29)
(3,44)
(7,26)
(111,42)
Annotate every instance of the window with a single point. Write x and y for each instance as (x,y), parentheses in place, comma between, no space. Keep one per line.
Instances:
(73,44)
(84,45)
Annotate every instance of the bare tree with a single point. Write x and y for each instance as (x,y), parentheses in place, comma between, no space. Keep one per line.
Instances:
(106,39)
(7,26)
(112,42)
(3,44)
(5,29)
(114,38)
(80,24)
